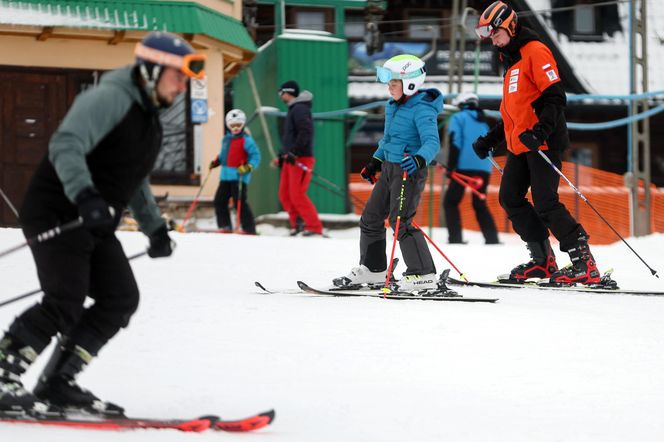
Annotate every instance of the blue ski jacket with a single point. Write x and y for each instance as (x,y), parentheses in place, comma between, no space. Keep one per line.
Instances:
(411,127)
(229,173)
(464,128)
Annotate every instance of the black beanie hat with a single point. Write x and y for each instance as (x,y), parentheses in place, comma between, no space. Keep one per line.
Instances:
(290,87)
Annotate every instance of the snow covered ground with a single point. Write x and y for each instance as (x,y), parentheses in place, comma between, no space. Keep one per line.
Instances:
(536,366)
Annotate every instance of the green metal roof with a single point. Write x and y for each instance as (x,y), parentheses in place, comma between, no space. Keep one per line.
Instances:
(135,15)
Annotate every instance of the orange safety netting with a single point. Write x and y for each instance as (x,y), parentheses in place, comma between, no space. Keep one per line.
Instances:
(604,190)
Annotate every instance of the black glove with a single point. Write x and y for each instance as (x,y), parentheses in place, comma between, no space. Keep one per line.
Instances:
(214,163)
(482,147)
(288,157)
(160,243)
(369,171)
(97,215)
(532,138)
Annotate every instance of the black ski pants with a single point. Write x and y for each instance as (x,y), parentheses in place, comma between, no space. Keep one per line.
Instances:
(451,201)
(226,191)
(71,267)
(533,221)
(384,203)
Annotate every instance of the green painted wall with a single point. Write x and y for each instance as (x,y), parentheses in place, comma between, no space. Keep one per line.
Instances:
(319,65)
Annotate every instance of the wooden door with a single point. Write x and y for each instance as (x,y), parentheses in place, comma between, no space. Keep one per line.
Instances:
(34,102)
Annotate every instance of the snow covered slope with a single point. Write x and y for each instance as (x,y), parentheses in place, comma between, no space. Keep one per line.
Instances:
(533,367)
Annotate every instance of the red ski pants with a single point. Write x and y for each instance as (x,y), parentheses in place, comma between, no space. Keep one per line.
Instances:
(295,179)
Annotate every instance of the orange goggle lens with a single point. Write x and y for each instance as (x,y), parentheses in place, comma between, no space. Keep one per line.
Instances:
(193,65)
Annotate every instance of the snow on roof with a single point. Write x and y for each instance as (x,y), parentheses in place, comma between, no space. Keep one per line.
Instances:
(604,66)
(44,15)
(303,34)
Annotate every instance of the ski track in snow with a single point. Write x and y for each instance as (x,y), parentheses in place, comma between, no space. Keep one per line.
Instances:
(536,366)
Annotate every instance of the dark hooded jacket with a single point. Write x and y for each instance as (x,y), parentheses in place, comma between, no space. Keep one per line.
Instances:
(298,135)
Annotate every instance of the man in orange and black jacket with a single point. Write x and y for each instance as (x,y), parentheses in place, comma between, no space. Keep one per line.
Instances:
(533,120)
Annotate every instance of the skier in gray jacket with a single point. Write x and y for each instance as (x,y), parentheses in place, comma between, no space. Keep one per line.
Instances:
(97,164)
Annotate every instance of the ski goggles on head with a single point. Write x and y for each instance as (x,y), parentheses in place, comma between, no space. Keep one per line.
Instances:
(485,31)
(192,65)
(384,75)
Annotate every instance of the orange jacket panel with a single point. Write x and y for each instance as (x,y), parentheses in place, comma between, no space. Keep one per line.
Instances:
(523,83)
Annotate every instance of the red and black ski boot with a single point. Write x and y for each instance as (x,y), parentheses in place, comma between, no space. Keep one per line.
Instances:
(583,268)
(541,265)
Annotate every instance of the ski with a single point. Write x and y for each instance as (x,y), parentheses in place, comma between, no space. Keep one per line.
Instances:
(251,423)
(448,295)
(538,286)
(274,292)
(115,424)
(197,425)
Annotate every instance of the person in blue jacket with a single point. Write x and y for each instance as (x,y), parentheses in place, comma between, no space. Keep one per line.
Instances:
(238,157)
(464,128)
(409,144)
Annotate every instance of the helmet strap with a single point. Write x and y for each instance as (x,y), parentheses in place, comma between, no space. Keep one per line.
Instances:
(151,79)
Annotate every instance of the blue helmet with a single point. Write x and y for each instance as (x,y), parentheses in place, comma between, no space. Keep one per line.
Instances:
(161,49)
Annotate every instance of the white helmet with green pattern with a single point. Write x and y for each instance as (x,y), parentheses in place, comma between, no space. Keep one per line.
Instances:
(407,68)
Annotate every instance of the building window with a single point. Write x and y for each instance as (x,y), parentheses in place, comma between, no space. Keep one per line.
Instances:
(584,20)
(423,26)
(355,26)
(310,20)
(175,163)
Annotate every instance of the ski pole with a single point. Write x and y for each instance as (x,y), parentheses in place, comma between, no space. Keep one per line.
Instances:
(362,204)
(34,292)
(317,175)
(652,271)
(238,209)
(190,211)
(396,233)
(467,184)
(495,164)
(473,181)
(46,235)
(463,275)
(9,203)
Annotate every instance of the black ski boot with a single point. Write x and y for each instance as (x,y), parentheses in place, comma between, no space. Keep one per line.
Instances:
(58,386)
(15,400)
(541,265)
(583,268)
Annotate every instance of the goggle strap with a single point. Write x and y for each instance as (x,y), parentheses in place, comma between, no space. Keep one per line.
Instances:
(158,57)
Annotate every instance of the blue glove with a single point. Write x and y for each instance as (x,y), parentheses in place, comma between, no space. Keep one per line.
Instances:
(412,164)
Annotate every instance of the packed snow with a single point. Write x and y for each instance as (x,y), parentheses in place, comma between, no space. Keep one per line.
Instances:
(535,366)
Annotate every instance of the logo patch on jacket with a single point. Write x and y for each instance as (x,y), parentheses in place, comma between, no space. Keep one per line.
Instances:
(552,75)
(513,81)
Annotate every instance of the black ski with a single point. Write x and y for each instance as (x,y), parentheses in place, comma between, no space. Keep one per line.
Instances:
(395,262)
(444,293)
(127,423)
(274,292)
(602,288)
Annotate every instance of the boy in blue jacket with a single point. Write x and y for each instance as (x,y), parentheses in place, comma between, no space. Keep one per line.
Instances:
(465,127)
(409,144)
(239,156)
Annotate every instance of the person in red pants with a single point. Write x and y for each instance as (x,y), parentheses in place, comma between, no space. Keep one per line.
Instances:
(296,161)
